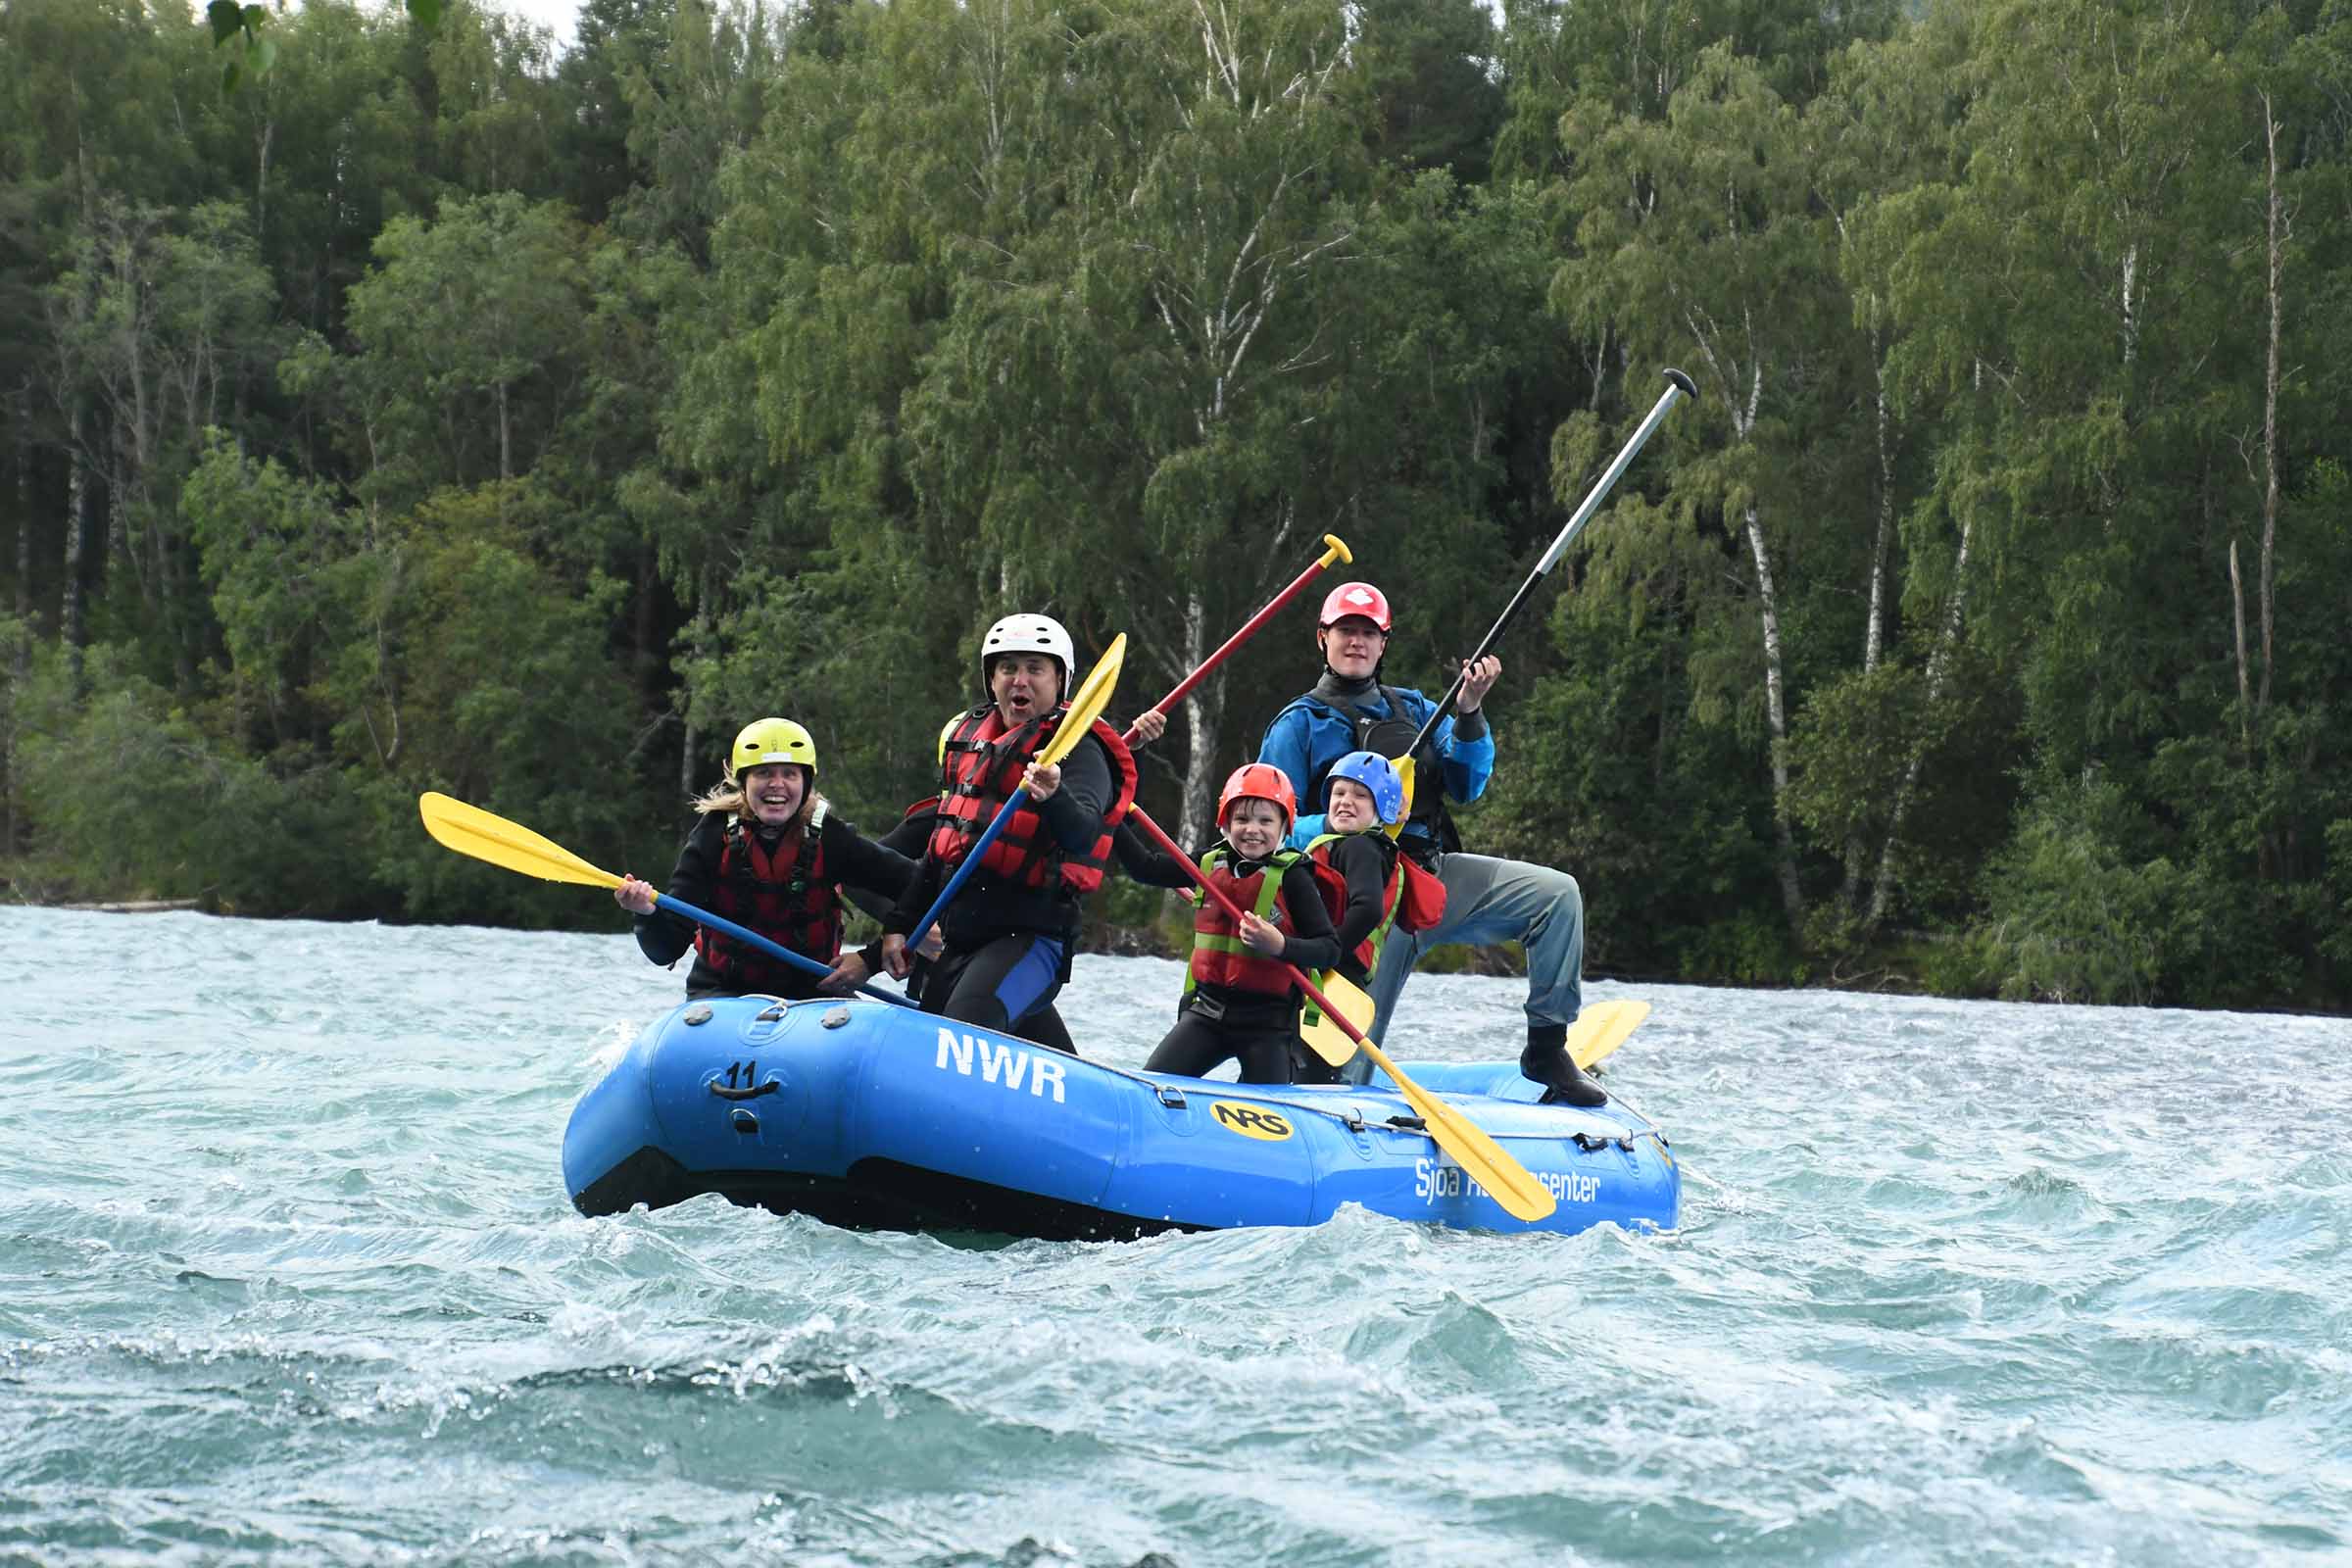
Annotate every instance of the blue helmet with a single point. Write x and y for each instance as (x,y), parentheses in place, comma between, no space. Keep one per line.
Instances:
(1375,773)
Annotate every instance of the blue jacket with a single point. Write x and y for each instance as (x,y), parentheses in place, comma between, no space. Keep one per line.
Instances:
(1309,735)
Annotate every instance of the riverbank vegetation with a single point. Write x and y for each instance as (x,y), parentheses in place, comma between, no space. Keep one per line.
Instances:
(442,410)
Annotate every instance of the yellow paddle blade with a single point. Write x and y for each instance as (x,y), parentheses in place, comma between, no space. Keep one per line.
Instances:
(1321,1032)
(487,836)
(1404,775)
(1508,1182)
(1601,1028)
(1093,695)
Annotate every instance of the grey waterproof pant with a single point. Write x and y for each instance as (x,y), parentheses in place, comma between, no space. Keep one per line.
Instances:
(1490,899)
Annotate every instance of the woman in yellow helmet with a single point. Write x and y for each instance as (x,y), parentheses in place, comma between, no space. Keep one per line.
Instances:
(768,853)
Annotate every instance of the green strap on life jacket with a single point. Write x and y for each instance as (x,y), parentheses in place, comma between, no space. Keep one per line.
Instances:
(1270,888)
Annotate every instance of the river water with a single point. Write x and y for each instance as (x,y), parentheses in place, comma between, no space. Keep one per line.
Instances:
(287,1275)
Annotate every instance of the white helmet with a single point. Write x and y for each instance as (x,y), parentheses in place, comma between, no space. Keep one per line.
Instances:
(1029,634)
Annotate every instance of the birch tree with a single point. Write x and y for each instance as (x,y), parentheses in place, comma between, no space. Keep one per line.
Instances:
(1146,370)
(1702,237)
(1891,119)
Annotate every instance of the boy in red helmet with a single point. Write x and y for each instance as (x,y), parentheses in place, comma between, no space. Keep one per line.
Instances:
(1240,1000)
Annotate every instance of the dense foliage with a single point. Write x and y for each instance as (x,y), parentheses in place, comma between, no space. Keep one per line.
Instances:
(439,410)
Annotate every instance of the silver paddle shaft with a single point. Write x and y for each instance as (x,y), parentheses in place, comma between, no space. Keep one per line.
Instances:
(1677,385)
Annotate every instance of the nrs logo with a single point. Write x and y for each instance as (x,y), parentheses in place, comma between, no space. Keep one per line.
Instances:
(1000,1062)
(1251,1121)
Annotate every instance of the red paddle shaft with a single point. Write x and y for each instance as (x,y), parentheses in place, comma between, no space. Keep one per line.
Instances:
(1248,630)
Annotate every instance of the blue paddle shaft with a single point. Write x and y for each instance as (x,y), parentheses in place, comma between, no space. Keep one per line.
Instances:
(970,864)
(799,960)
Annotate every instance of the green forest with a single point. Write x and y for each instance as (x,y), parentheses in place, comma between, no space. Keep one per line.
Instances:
(433,408)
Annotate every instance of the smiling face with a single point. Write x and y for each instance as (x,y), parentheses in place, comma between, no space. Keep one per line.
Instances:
(1351,809)
(1351,645)
(1024,686)
(772,792)
(1253,827)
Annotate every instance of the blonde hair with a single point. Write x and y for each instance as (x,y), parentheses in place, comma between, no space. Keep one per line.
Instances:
(727,795)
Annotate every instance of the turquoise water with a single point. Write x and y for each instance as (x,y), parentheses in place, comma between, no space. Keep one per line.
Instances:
(287,1275)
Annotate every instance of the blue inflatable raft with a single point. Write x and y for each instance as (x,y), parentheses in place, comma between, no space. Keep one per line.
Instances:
(863,1114)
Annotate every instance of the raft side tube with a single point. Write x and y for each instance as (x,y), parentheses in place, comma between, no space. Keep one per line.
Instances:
(612,1155)
(1221,1154)
(862,1114)
(984,1105)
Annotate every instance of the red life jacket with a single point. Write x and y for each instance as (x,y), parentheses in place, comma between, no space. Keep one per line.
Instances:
(782,894)
(1220,958)
(980,766)
(1333,884)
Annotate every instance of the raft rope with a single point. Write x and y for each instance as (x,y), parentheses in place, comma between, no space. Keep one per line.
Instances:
(1350,1117)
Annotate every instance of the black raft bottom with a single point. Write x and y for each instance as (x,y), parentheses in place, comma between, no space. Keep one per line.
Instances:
(877,1195)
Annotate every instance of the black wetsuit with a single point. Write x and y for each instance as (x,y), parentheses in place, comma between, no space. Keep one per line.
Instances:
(1044,1023)
(1009,944)
(1367,860)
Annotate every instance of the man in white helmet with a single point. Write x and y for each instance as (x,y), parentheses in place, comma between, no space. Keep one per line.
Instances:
(1010,929)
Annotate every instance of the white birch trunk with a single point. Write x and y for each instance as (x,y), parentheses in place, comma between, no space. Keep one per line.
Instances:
(1792,898)
(2237,624)
(1745,412)
(1874,629)
(1204,720)
(2131,305)
(1873,633)
(1939,665)
(70,629)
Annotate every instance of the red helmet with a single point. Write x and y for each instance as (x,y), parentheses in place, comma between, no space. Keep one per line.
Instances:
(1354,599)
(1259,781)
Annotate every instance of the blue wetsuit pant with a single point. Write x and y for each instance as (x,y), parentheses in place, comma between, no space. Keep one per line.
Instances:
(1005,984)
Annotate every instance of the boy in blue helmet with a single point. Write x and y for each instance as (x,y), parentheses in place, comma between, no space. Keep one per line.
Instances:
(1488,899)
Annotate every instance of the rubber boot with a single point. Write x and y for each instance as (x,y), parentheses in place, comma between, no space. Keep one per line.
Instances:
(1547,1061)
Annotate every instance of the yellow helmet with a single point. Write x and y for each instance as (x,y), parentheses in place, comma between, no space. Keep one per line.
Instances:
(945,730)
(770,740)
